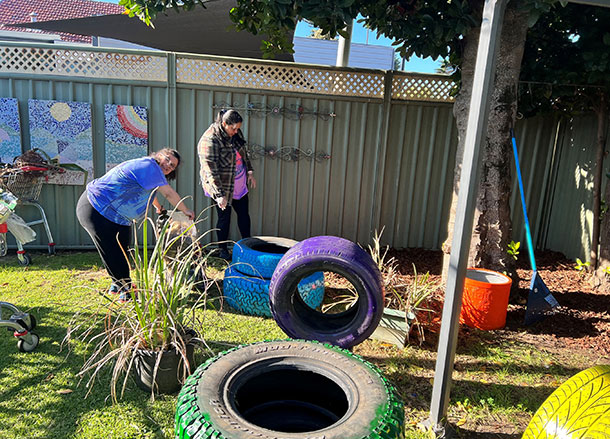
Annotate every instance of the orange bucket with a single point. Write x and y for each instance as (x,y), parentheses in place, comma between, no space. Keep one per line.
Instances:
(485,299)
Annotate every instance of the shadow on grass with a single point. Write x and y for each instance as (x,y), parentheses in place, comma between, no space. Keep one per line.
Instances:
(41,395)
(468,434)
(41,261)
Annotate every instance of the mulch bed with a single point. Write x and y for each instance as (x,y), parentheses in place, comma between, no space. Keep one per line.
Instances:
(581,322)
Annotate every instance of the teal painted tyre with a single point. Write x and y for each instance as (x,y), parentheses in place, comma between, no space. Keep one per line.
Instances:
(250,295)
(290,389)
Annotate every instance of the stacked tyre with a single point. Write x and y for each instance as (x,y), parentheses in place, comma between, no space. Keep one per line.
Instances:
(247,278)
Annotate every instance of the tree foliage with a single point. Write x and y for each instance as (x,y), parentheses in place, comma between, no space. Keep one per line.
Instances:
(566,62)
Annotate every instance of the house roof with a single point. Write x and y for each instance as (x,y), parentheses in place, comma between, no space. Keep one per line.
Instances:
(18,11)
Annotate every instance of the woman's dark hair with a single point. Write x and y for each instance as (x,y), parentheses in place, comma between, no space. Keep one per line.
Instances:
(230,117)
(168,151)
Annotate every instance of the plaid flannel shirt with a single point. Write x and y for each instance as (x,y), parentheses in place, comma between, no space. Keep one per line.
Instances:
(217,160)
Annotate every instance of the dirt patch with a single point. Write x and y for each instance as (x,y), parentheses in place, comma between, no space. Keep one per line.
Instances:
(582,321)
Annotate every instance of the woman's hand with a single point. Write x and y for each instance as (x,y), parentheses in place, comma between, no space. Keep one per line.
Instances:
(189,213)
(251,181)
(222,202)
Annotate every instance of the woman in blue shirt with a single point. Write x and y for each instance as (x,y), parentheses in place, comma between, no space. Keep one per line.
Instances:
(113,202)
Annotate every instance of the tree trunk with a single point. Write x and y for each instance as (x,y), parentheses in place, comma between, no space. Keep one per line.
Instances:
(602,115)
(603,260)
(492,223)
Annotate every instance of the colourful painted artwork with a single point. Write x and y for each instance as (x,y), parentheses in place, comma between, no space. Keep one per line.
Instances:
(10,130)
(63,131)
(126,130)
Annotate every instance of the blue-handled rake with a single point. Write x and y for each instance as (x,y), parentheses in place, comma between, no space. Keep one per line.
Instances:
(540,301)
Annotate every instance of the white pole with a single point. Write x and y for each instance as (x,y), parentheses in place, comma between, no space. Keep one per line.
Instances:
(344,46)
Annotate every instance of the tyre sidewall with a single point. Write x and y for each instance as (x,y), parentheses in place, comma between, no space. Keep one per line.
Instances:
(367,392)
(252,262)
(299,320)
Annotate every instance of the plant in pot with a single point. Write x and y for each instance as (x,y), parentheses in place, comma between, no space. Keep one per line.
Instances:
(152,336)
(404,300)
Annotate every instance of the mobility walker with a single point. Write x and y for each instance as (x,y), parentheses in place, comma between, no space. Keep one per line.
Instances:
(25,183)
(21,323)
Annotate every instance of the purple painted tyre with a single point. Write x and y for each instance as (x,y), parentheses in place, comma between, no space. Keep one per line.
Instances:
(331,254)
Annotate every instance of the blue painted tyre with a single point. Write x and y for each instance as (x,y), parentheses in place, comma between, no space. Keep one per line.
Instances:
(259,255)
(250,295)
(329,254)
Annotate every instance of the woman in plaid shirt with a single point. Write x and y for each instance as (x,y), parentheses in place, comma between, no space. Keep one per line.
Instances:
(226,173)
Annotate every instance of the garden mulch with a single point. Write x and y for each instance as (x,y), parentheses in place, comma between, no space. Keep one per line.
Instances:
(581,322)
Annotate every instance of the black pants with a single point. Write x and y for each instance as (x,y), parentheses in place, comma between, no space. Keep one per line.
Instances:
(224,220)
(111,240)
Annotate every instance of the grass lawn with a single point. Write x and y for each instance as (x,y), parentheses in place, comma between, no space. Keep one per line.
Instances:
(499,382)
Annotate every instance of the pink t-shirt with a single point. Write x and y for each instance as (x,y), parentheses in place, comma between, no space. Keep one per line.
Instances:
(241,178)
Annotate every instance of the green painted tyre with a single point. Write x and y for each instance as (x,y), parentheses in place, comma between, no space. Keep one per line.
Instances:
(289,389)
(579,408)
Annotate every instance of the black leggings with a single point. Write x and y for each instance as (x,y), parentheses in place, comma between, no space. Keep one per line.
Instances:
(110,239)
(224,220)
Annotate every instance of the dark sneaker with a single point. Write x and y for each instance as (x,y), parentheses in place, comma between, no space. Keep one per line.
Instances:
(224,254)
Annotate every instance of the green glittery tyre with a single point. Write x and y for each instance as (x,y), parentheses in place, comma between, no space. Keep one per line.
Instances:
(578,409)
(291,389)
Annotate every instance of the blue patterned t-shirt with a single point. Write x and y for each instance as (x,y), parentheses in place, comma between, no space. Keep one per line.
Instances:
(123,193)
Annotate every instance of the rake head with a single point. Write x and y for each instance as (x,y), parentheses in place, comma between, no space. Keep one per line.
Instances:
(540,302)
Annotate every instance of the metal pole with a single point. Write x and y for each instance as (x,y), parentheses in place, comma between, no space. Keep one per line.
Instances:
(493,14)
(344,47)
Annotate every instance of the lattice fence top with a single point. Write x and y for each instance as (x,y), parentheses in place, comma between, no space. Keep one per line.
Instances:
(278,77)
(422,88)
(249,74)
(83,63)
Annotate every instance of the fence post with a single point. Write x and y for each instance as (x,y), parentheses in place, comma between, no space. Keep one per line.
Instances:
(172,136)
(379,165)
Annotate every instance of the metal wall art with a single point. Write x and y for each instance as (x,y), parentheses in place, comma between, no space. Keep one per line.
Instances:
(257,109)
(286,153)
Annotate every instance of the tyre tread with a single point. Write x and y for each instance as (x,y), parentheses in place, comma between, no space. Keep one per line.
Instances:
(191,424)
(570,407)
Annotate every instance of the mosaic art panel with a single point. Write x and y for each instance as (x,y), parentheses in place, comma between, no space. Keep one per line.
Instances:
(63,131)
(126,133)
(10,130)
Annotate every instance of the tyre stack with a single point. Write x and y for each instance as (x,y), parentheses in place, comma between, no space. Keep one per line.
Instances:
(247,278)
(295,389)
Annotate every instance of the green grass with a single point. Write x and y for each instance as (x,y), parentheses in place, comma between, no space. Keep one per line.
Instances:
(40,394)
(498,383)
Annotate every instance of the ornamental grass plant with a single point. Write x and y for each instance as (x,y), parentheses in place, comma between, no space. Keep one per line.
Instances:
(407,296)
(168,289)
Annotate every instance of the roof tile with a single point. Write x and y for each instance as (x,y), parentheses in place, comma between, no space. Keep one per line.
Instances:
(18,11)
